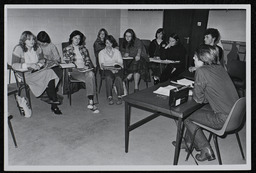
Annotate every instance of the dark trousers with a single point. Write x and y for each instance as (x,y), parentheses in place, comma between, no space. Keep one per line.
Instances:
(115,78)
(51,91)
(207,117)
(167,73)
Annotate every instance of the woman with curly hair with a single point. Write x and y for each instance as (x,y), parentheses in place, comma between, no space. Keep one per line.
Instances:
(28,55)
(78,54)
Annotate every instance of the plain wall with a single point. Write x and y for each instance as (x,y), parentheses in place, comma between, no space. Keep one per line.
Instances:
(230,23)
(59,23)
(144,23)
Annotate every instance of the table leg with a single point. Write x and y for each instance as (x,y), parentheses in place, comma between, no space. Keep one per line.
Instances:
(127,124)
(180,129)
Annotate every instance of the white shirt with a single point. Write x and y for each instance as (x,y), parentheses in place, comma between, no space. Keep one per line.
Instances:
(79,59)
(107,60)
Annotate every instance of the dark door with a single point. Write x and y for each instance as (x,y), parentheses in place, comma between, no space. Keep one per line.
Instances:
(190,25)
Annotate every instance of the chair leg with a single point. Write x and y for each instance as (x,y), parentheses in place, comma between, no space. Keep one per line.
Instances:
(69,93)
(28,96)
(210,137)
(217,148)
(11,130)
(100,84)
(239,143)
(147,84)
(191,148)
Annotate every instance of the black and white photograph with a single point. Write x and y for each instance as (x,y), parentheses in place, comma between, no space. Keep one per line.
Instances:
(153,87)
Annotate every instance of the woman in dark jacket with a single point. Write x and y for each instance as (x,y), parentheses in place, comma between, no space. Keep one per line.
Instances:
(174,51)
(154,52)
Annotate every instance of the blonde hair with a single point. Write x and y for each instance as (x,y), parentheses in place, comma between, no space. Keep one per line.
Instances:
(207,54)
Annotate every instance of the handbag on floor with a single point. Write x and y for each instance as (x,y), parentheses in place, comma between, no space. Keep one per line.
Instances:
(23,106)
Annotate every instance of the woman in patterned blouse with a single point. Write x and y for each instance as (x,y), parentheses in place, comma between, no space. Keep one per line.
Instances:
(78,54)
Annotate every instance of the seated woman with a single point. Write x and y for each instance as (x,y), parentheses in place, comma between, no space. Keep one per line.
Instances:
(28,55)
(212,37)
(137,66)
(154,52)
(77,53)
(173,51)
(50,52)
(214,86)
(111,57)
(52,57)
(99,44)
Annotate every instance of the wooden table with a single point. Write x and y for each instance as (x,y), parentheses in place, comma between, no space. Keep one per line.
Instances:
(158,105)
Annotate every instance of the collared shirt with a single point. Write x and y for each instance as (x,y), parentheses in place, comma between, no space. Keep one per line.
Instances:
(213,85)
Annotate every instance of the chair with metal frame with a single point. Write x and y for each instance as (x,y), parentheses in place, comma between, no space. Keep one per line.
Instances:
(12,90)
(232,125)
(21,83)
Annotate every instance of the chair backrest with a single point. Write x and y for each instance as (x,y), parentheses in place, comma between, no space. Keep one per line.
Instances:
(64,44)
(236,116)
(233,71)
(146,43)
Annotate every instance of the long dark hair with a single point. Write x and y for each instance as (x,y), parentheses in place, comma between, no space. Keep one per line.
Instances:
(25,36)
(105,31)
(131,43)
(75,33)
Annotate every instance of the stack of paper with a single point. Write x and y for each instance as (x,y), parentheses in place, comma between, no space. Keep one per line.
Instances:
(186,82)
(164,90)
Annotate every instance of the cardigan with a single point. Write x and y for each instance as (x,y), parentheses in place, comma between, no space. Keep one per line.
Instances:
(107,60)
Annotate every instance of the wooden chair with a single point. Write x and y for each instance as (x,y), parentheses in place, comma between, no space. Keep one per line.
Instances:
(231,126)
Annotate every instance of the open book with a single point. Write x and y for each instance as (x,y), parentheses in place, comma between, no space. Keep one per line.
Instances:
(69,65)
(163,61)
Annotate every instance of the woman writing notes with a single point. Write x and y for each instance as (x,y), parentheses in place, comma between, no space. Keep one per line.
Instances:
(111,57)
(135,58)
(77,53)
(176,52)
(28,55)
(214,86)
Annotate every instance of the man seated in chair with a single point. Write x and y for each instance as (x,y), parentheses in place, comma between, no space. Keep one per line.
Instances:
(214,86)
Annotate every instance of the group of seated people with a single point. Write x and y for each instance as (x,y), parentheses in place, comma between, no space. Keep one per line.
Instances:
(212,83)
(130,60)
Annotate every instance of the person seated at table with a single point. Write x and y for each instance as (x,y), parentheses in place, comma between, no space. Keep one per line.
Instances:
(99,44)
(77,53)
(212,37)
(174,51)
(136,67)
(154,52)
(28,55)
(111,57)
(214,86)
